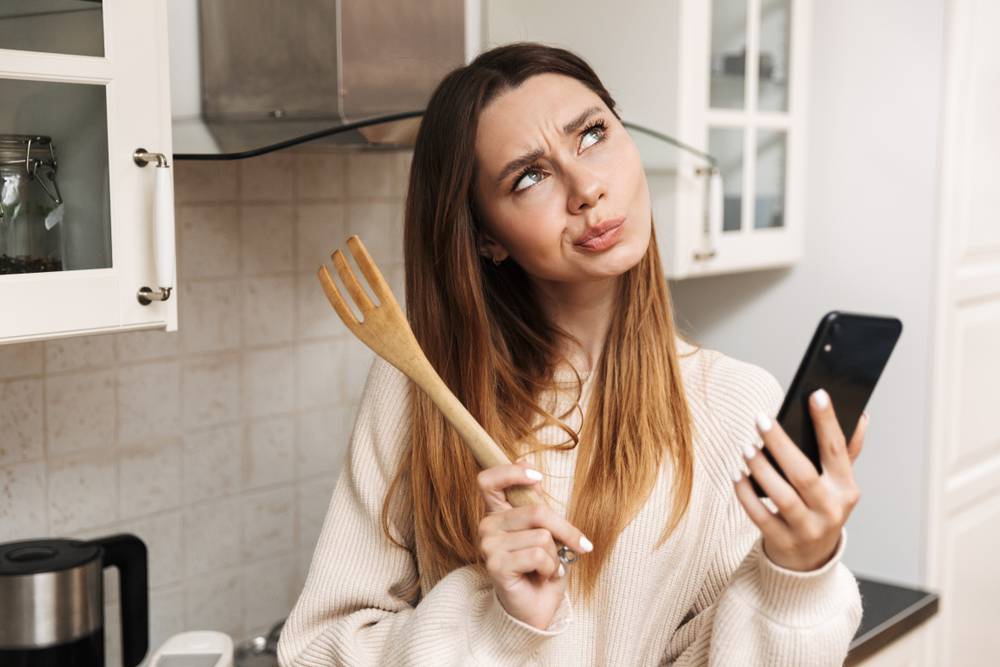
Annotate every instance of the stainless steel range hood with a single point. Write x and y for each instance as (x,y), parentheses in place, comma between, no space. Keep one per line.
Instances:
(251,76)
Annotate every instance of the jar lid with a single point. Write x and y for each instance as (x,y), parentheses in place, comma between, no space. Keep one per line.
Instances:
(19,149)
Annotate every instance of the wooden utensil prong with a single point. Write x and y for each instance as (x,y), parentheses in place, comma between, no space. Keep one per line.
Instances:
(337,301)
(357,292)
(368,267)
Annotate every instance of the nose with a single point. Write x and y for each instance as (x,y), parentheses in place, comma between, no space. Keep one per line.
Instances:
(586,188)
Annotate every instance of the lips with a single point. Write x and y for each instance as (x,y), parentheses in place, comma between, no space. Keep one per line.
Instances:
(598,229)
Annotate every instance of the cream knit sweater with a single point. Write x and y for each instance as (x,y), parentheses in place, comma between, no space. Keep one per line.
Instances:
(709,595)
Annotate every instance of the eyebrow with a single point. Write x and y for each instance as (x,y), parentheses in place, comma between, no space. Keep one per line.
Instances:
(528,158)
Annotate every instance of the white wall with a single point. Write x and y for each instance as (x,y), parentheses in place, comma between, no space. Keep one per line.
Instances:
(871,203)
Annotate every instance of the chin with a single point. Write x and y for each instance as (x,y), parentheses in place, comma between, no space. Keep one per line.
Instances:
(633,250)
(621,259)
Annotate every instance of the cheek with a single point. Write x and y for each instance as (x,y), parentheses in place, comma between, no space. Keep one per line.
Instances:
(534,223)
(633,175)
(633,185)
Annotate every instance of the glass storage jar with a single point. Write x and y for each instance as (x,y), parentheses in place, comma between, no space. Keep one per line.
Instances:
(31,206)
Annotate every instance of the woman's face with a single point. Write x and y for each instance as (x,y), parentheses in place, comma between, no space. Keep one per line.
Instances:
(585,171)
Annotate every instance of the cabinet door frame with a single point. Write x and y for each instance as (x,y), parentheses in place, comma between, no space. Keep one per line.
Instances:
(135,72)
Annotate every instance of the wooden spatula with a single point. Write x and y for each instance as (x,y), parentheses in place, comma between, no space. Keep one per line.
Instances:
(385,330)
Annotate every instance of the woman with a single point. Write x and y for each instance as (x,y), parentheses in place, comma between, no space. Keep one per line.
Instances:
(565,350)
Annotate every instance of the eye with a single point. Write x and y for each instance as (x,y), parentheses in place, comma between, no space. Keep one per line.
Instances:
(527,171)
(597,129)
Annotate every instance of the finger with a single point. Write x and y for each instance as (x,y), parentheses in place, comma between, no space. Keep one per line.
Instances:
(771,524)
(798,469)
(832,443)
(543,516)
(536,537)
(532,559)
(520,539)
(858,439)
(493,480)
(786,499)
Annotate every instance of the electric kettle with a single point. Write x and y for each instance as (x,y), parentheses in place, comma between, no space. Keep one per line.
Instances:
(52,601)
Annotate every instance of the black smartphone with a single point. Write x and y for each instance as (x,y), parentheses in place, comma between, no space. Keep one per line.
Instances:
(845,357)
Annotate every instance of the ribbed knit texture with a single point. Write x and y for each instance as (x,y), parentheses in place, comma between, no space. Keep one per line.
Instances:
(708,596)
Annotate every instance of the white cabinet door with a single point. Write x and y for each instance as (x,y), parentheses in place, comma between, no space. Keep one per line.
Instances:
(963,532)
(93,77)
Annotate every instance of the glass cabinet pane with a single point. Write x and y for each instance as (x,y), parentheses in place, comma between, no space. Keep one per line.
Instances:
(55,212)
(772,75)
(74,27)
(769,206)
(726,145)
(727,69)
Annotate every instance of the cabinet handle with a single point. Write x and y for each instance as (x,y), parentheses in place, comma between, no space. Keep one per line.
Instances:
(713,211)
(164,227)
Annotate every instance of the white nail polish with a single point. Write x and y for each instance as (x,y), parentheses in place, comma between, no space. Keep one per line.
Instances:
(763,423)
(533,474)
(562,570)
(820,398)
(586,545)
(759,444)
(749,451)
(736,474)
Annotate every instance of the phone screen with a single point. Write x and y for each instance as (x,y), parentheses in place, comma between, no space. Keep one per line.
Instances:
(846,357)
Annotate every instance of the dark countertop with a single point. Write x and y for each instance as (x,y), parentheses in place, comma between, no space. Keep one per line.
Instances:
(890,611)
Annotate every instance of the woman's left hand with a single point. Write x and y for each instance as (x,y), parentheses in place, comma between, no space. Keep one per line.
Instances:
(805,531)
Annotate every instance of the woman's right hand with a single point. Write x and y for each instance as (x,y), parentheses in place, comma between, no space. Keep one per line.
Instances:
(518,544)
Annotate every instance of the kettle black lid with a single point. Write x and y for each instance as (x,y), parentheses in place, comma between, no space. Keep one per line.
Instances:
(51,555)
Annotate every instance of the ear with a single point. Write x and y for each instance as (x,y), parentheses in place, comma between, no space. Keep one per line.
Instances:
(489,248)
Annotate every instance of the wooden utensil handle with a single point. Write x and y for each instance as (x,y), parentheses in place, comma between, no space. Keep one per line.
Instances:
(486,452)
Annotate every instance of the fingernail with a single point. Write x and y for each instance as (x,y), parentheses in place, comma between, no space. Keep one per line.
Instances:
(533,474)
(820,399)
(585,544)
(562,570)
(865,415)
(763,423)
(749,451)
(736,474)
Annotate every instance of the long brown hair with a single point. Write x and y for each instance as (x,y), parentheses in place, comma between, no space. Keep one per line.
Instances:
(482,328)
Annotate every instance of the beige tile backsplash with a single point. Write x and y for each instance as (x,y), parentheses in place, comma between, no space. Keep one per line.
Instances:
(218,444)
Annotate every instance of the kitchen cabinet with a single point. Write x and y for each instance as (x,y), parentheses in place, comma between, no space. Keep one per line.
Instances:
(724,77)
(85,84)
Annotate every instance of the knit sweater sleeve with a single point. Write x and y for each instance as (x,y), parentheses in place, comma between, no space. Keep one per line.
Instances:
(347,613)
(749,609)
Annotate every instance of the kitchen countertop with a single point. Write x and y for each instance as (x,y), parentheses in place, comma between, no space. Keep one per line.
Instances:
(890,611)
